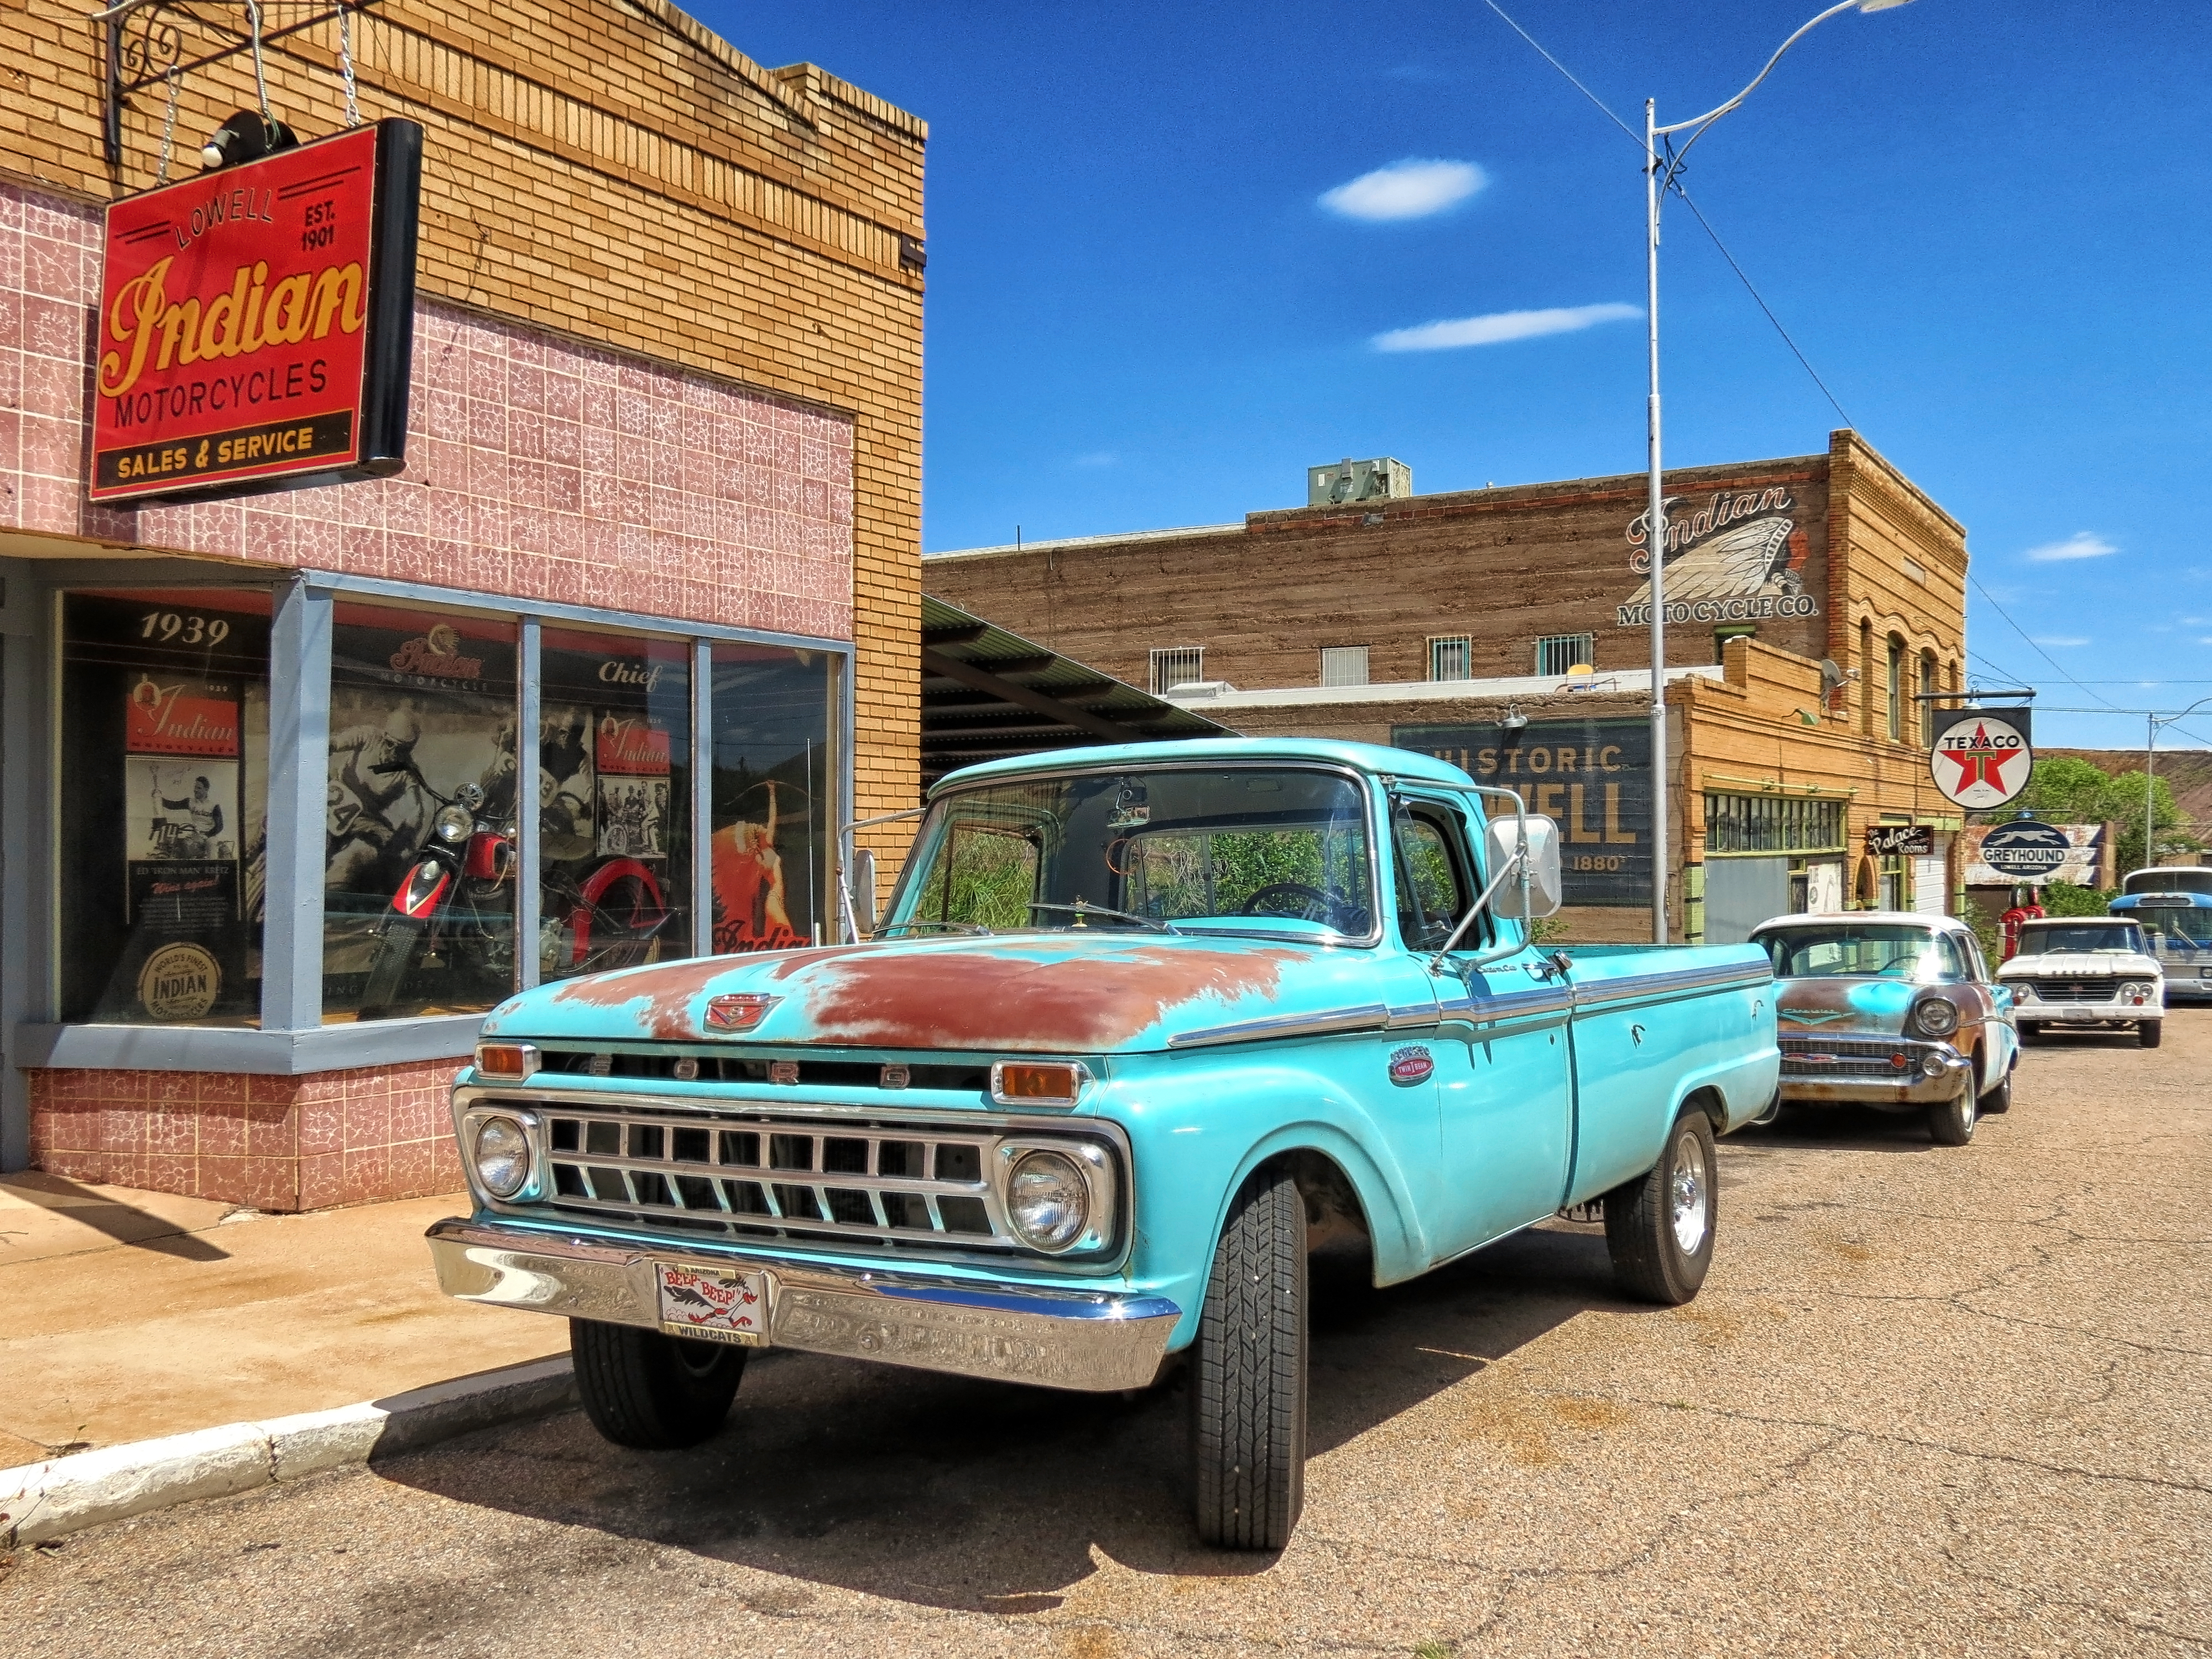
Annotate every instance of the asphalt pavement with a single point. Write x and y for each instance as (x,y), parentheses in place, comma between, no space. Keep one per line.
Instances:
(1931,1400)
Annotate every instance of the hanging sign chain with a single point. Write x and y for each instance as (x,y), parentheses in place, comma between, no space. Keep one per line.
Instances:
(260,78)
(168,129)
(345,64)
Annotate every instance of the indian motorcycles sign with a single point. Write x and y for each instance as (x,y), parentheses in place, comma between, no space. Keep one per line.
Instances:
(256,323)
(1737,557)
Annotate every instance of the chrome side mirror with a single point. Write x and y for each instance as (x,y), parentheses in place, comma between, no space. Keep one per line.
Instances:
(864,888)
(1544,889)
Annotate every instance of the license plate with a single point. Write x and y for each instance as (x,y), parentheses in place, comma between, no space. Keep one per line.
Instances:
(713,1305)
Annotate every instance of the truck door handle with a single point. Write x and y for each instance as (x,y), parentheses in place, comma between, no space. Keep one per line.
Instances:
(1637,1033)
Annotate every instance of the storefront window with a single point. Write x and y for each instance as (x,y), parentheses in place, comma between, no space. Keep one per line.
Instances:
(164,756)
(775,794)
(422,721)
(614,801)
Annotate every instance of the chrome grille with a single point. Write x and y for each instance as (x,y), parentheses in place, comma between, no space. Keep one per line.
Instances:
(2075,990)
(777,1178)
(1810,1058)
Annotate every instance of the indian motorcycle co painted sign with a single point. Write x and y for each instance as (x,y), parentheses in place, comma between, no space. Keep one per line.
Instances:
(256,323)
(1738,559)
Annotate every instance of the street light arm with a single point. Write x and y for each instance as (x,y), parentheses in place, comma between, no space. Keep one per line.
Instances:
(1713,115)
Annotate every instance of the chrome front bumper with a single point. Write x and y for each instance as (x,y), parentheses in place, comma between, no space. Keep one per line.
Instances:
(1074,1339)
(1914,1087)
(2085,1013)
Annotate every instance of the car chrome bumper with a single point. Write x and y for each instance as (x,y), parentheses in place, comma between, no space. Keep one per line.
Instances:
(1914,1087)
(2086,1013)
(1073,1338)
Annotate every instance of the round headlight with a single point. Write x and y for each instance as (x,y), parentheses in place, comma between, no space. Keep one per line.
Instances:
(502,1156)
(1047,1200)
(2135,991)
(1936,1016)
(454,823)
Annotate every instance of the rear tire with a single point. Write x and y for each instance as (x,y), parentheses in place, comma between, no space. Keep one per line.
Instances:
(1659,1228)
(1952,1122)
(2149,1031)
(653,1392)
(1248,1432)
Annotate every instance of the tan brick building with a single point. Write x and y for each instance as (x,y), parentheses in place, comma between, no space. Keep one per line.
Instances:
(655,541)
(1811,600)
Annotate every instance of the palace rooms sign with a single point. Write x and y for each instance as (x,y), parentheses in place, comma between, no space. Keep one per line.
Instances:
(1739,557)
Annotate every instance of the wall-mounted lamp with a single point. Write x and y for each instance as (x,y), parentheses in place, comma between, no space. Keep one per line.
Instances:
(1514,720)
(246,137)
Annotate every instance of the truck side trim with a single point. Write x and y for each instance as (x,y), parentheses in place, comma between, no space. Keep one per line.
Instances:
(1368,1017)
(1678,981)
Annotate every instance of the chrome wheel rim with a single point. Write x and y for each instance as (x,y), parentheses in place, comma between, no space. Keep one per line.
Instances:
(1688,1194)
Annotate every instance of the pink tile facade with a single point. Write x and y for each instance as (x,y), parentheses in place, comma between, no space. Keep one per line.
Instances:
(275,1143)
(537,468)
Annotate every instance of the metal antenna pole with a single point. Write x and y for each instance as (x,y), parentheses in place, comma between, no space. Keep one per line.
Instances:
(2150,759)
(1655,531)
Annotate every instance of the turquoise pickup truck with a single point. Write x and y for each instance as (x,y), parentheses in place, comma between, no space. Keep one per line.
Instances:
(1143,1029)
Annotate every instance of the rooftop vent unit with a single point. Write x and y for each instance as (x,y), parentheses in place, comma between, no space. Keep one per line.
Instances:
(1379,480)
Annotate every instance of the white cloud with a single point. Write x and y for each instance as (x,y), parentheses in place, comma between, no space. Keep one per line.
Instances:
(1412,189)
(2079,546)
(2047,639)
(1501,325)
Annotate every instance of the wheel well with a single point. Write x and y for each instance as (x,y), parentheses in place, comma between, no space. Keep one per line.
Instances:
(1336,1222)
(1711,1103)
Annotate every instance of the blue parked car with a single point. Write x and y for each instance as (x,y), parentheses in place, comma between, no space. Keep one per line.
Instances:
(1142,1028)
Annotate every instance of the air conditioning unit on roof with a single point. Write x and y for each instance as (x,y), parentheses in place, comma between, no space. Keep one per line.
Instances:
(1379,480)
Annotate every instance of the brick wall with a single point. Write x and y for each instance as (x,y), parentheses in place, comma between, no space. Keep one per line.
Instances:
(603,170)
(1503,566)
(274,1143)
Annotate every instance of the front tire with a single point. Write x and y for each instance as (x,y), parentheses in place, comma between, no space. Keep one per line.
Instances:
(1248,1437)
(396,948)
(1659,1228)
(655,1392)
(2148,1032)
(2031,1036)
(1952,1122)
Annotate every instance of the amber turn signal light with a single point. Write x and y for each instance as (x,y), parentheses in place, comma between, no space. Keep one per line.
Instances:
(506,1062)
(1025,1083)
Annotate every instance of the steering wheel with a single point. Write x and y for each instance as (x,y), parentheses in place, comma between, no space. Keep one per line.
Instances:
(1313,904)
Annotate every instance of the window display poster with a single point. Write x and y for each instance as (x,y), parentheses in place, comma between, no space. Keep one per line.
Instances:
(154,712)
(770,859)
(420,704)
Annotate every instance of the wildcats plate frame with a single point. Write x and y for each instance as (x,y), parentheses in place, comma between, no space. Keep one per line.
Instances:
(713,1305)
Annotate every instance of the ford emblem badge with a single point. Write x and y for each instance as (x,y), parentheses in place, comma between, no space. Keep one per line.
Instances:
(738,1010)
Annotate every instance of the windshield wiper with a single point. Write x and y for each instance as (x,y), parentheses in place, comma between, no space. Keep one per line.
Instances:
(970,928)
(1081,909)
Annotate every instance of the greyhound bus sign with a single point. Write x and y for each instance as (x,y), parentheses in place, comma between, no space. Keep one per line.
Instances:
(1982,758)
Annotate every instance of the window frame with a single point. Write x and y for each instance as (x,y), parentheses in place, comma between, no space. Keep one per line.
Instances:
(1466,644)
(1575,647)
(1161,656)
(291,1040)
(1342,652)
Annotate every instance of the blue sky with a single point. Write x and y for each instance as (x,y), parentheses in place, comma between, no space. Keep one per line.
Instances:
(1159,290)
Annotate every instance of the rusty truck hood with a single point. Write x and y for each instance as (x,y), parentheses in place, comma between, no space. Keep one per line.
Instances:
(1078,992)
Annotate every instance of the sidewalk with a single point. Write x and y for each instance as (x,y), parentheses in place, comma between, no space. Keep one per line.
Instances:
(126,1315)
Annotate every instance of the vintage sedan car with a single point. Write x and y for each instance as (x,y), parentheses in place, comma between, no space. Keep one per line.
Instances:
(2086,973)
(1894,1011)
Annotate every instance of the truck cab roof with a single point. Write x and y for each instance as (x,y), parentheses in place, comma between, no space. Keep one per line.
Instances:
(1375,759)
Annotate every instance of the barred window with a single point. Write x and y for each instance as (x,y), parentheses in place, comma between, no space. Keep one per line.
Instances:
(1344,665)
(1556,653)
(1177,664)
(1772,824)
(1451,657)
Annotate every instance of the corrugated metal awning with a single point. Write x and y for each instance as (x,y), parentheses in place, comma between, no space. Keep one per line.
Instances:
(987,693)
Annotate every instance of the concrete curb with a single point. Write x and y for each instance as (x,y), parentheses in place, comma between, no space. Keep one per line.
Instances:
(63,1495)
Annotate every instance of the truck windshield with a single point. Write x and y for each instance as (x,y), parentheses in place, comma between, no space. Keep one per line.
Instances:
(1887,950)
(2082,936)
(2185,927)
(1275,850)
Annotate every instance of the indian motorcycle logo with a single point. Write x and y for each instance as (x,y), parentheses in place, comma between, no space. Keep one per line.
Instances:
(438,654)
(1739,558)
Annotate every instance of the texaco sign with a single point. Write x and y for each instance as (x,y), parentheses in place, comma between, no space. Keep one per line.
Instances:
(1982,759)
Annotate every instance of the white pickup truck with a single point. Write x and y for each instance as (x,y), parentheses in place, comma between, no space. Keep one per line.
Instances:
(2085,973)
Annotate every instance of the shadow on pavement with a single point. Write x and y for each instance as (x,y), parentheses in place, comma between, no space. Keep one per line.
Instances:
(953,1493)
(125,1224)
(1840,1129)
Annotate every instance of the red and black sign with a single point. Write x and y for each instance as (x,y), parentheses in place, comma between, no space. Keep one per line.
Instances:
(1899,840)
(256,323)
